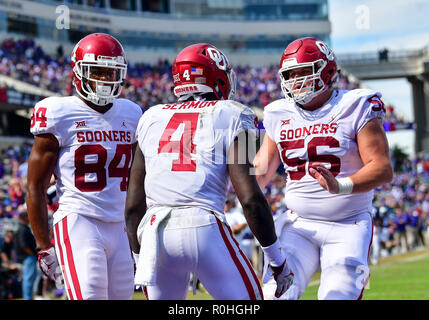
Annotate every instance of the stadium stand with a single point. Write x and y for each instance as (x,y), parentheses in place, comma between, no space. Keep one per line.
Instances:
(148,85)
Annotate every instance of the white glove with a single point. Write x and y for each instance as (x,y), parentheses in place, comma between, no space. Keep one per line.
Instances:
(48,263)
(284,278)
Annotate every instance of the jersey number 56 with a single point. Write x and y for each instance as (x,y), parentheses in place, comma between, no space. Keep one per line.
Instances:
(313,156)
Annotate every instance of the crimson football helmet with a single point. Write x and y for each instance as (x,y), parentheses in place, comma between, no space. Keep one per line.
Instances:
(320,62)
(99,58)
(203,68)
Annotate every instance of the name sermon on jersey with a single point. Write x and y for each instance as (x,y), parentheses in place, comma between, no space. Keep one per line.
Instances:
(189,105)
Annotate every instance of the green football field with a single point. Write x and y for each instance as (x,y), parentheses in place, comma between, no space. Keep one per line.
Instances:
(399,277)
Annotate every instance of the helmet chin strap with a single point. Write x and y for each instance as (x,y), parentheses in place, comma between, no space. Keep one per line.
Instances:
(303,98)
(103,90)
(100,97)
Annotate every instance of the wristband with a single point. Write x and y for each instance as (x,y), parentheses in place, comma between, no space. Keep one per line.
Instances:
(345,185)
(275,254)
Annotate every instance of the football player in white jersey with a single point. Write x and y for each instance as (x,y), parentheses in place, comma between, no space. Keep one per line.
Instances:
(178,184)
(87,142)
(335,152)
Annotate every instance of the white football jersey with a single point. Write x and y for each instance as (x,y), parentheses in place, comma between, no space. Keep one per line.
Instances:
(326,135)
(95,153)
(185,148)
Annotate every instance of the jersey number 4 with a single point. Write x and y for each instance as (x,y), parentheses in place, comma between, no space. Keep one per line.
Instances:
(84,167)
(185,146)
(313,157)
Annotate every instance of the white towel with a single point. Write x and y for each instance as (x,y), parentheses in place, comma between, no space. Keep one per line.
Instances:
(148,236)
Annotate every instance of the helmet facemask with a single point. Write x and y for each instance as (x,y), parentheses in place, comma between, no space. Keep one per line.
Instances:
(302,89)
(103,91)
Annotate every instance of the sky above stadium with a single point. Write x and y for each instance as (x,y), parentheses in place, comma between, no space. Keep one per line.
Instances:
(371,25)
(368,25)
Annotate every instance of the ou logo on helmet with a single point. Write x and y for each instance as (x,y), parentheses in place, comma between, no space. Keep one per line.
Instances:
(218,57)
(326,50)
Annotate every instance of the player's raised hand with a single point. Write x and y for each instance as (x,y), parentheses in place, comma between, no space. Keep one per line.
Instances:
(284,278)
(325,177)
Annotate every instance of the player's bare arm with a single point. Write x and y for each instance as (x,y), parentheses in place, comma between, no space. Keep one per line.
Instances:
(135,206)
(255,207)
(41,164)
(266,162)
(374,151)
(257,213)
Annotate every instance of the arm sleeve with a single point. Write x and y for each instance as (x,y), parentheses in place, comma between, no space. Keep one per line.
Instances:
(142,129)
(44,120)
(370,108)
(247,121)
(268,124)
(138,114)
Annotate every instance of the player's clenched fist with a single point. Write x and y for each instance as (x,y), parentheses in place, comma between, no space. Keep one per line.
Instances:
(48,263)
(284,278)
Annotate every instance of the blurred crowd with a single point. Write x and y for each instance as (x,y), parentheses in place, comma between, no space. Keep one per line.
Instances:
(400,208)
(19,275)
(146,84)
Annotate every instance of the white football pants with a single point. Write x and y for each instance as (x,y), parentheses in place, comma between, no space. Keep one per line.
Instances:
(195,240)
(340,249)
(95,258)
